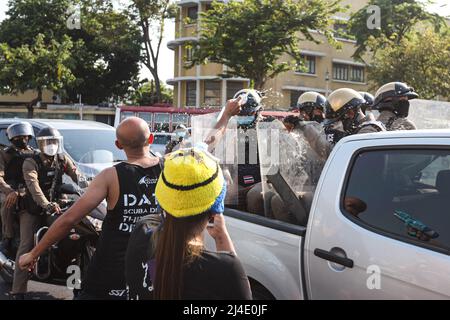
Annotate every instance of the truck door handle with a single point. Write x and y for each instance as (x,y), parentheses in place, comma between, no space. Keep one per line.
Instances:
(333,257)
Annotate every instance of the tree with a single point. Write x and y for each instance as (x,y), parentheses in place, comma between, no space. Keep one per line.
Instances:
(250,36)
(422,60)
(35,67)
(145,94)
(106,49)
(151,16)
(397,19)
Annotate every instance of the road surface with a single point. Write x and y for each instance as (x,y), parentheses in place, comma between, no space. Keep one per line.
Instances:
(39,291)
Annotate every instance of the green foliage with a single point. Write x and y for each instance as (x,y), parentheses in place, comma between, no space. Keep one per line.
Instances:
(398,19)
(422,60)
(251,36)
(38,66)
(145,95)
(105,54)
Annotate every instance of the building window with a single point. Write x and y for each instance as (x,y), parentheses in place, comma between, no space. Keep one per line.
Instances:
(294,97)
(340,72)
(192,13)
(357,74)
(191,93)
(189,51)
(346,72)
(308,64)
(233,87)
(340,30)
(212,93)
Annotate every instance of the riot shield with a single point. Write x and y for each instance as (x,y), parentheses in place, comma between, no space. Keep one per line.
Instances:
(223,145)
(290,170)
(429,114)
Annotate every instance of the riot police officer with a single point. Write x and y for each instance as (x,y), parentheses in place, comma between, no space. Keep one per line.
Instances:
(43,177)
(11,177)
(343,117)
(311,106)
(392,100)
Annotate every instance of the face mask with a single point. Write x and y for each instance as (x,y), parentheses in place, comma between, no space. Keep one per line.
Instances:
(51,149)
(401,108)
(19,144)
(245,120)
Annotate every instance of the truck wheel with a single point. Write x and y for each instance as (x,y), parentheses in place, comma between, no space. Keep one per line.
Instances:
(259,292)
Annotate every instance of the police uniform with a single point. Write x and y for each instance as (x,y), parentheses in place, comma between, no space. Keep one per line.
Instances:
(11,180)
(393,123)
(392,100)
(39,173)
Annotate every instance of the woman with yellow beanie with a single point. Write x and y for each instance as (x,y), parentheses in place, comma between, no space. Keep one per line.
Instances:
(191,192)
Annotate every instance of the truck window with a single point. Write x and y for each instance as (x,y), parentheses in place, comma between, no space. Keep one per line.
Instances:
(404,194)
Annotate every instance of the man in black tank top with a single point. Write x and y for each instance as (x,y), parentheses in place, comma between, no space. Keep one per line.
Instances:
(129,191)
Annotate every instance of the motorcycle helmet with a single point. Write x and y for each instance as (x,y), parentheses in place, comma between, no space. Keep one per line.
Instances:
(50,141)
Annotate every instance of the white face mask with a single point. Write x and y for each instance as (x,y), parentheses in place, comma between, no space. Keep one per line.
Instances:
(51,149)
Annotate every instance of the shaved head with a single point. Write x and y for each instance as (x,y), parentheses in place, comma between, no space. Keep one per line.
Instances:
(133,133)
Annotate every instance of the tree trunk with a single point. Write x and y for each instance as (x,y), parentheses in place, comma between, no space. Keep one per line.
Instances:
(30,106)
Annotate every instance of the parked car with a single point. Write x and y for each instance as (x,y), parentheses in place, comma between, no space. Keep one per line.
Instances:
(89,144)
(378,225)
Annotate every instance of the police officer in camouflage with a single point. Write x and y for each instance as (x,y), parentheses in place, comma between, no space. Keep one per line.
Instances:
(11,178)
(392,100)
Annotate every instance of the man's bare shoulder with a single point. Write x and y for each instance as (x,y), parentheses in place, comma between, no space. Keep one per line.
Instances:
(108,175)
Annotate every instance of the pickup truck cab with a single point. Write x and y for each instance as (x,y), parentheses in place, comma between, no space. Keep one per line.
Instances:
(378,226)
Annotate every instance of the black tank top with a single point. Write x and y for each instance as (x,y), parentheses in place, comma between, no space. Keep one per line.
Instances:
(106,273)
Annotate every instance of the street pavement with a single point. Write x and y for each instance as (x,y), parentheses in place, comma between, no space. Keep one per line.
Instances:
(39,291)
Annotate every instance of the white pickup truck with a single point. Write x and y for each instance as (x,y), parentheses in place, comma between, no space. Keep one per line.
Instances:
(378,226)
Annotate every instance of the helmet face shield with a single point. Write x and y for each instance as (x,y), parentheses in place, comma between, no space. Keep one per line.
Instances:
(51,145)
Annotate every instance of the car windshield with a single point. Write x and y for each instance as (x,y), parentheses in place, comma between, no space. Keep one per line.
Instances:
(92,146)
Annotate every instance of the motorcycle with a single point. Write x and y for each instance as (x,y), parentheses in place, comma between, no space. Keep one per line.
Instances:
(75,250)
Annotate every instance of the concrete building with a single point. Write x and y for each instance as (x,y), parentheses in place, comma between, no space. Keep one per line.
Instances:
(328,68)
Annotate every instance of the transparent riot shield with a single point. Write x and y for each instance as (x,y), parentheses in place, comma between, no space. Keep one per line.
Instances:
(429,114)
(290,170)
(223,145)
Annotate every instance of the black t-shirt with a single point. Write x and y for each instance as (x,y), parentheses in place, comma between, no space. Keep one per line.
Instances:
(211,276)
(105,276)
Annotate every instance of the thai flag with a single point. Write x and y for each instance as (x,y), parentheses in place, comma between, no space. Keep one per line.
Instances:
(249,180)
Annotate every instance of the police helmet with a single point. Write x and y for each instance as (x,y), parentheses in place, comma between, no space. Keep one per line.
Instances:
(250,101)
(393,90)
(50,141)
(19,129)
(311,100)
(342,100)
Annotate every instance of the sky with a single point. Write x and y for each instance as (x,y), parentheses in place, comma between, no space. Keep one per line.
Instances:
(167,56)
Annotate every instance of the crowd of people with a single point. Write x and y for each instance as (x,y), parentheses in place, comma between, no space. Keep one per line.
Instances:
(162,254)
